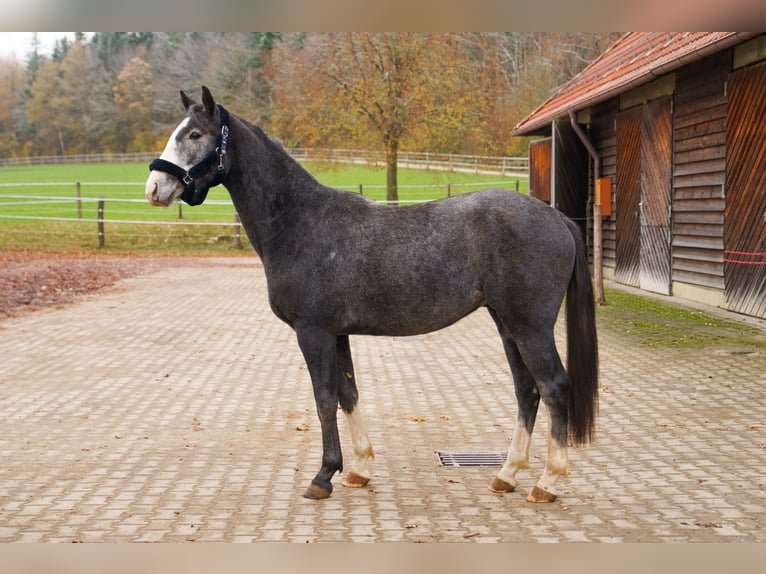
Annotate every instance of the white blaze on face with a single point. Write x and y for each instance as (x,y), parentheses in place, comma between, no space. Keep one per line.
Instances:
(161,186)
(170,153)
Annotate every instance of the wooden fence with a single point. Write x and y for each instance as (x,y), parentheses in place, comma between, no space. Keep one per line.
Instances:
(503,165)
(17,199)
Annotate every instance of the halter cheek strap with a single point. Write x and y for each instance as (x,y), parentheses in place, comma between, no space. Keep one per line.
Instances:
(191,194)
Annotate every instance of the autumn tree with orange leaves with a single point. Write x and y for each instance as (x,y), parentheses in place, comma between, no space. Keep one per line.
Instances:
(382,88)
(133,97)
(13,81)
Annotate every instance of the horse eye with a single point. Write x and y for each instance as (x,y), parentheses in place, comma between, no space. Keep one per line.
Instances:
(195,135)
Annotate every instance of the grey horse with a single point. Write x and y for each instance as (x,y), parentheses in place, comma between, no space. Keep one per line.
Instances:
(338,264)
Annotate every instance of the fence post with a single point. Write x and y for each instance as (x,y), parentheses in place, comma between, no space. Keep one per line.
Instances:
(180,211)
(79,200)
(449,189)
(237,231)
(360,190)
(100,223)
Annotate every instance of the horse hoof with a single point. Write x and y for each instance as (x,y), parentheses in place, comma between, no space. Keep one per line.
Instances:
(540,495)
(499,485)
(353,480)
(315,492)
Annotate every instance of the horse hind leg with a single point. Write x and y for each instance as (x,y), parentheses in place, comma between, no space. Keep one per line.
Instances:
(348,396)
(528,400)
(543,361)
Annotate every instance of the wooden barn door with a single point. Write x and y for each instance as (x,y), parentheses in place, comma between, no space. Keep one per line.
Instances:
(627,198)
(540,169)
(642,202)
(655,196)
(745,215)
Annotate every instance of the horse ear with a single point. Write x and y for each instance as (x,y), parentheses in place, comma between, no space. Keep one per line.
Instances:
(208,101)
(187,101)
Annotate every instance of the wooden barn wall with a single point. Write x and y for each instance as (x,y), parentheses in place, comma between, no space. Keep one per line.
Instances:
(699,171)
(709,221)
(603,135)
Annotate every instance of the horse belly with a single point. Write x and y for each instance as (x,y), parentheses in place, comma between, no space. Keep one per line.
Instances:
(395,310)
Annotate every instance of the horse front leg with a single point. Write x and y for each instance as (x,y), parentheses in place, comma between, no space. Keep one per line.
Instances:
(319,349)
(357,476)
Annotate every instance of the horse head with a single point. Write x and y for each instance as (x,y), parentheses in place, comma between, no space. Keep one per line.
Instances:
(194,158)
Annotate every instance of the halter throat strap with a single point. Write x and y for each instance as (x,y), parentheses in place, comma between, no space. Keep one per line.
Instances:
(213,160)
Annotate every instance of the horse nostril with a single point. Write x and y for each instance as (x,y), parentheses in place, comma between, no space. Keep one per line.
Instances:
(155,195)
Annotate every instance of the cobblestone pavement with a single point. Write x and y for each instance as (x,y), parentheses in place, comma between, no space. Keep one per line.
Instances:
(176,407)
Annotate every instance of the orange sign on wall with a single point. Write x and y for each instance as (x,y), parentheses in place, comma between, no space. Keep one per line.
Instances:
(604,195)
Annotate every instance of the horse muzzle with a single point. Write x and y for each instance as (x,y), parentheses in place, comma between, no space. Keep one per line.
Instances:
(161,193)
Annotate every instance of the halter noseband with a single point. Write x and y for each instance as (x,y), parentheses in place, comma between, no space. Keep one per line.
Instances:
(191,194)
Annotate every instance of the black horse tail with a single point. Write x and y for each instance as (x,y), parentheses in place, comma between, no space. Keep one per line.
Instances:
(582,346)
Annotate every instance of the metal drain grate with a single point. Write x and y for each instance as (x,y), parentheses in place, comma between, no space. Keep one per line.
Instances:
(447,458)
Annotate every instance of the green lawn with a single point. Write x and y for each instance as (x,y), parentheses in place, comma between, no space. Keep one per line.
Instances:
(654,323)
(121,186)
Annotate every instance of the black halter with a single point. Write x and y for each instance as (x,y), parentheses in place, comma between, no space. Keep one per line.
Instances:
(191,194)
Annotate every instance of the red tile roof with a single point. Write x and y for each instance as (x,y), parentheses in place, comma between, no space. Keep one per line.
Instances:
(635,59)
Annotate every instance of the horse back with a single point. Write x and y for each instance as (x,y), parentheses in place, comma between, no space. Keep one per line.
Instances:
(367,268)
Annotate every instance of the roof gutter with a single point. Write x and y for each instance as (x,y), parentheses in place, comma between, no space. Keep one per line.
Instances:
(651,74)
(598,257)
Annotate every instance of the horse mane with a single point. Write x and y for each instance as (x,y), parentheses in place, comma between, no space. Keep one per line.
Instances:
(257,130)
(276,145)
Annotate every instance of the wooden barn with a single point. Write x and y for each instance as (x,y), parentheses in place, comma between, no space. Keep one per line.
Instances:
(666,132)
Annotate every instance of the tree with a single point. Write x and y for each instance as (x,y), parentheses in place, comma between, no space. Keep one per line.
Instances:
(90,106)
(395,83)
(133,97)
(379,75)
(241,73)
(45,98)
(522,69)
(442,92)
(181,61)
(13,81)
(70,105)
(34,58)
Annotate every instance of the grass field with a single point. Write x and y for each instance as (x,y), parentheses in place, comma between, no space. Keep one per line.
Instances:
(72,226)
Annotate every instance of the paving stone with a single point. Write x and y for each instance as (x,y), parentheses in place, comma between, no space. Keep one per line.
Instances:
(177,408)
